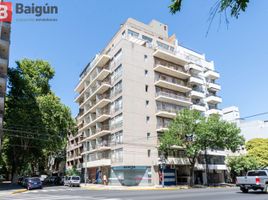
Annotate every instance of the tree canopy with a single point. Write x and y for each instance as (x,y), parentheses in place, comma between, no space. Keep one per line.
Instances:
(196,134)
(234,6)
(258,148)
(36,123)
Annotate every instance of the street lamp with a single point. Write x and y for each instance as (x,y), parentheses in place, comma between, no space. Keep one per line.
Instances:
(163,166)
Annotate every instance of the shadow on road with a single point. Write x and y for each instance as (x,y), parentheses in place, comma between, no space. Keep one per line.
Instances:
(9,186)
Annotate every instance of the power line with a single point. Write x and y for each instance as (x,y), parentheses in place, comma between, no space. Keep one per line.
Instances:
(258,114)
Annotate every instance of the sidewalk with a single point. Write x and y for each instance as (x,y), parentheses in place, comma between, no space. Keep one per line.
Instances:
(111,187)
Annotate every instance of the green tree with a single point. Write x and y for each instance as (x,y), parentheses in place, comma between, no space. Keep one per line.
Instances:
(258,148)
(72,172)
(197,134)
(235,6)
(239,165)
(36,122)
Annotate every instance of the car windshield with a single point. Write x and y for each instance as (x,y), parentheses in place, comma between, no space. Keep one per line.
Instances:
(257,173)
(75,178)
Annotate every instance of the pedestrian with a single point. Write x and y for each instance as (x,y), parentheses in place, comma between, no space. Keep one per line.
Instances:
(105,180)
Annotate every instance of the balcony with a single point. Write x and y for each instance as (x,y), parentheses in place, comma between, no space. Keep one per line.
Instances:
(213,99)
(101,131)
(214,87)
(100,88)
(195,67)
(166,112)
(197,94)
(103,115)
(100,61)
(100,75)
(172,98)
(196,80)
(198,107)
(99,162)
(171,83)
(171,69)
(170,56)
(212,74)
(214,111)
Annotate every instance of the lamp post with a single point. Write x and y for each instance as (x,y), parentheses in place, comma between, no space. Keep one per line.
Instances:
(163,166)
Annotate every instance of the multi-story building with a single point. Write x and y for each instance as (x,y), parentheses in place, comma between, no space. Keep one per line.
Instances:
(4,58)
(74,151)
(127,96)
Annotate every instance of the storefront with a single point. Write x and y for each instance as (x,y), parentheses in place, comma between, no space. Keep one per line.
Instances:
(131,175)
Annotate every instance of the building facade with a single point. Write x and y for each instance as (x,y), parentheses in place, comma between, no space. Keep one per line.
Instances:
(127,96)
(249,128)
(4,58)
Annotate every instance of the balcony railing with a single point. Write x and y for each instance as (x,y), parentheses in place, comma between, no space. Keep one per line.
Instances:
(170,79)
(169,65)
(103,112)
(103,128)
(171,95)
(171,109)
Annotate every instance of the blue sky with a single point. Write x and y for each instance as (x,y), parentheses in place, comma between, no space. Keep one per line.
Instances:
(84,27)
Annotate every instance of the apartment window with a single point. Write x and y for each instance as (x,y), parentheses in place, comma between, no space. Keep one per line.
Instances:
(133,33)
(117,138)
(145,58)
(117,155)
(147,103)
(118,55)
(123,33)
(117,73)
(148,135)
(117,88)
(146,72)
(147,39)
(117,121)
(147,119)
(149,152)
(146,88)
(117,105)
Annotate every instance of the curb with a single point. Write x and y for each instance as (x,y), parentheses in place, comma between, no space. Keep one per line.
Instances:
(19,191)
(133,189)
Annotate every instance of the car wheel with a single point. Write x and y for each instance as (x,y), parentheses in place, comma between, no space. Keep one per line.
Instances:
(28,188)
(244,190)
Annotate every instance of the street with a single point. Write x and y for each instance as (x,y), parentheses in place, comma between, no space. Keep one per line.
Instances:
(64,193)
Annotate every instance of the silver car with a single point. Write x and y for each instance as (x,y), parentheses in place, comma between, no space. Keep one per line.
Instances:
(73,181)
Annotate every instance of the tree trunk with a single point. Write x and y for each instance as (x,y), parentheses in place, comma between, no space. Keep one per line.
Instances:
(192,174)
(206,168)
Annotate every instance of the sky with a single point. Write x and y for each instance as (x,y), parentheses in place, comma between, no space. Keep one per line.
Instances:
(84,27)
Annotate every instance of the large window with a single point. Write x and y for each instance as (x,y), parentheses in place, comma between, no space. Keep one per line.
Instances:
(117,88)
(117,121)
(117,138)
(117,73)
(147,39)
(133,33)
(118,55)
(117,155)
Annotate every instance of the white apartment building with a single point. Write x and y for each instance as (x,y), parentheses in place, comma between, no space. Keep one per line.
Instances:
(4,58)
(127,96)
(249,128)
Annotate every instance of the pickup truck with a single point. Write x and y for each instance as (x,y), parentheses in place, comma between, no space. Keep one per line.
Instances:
(255,180)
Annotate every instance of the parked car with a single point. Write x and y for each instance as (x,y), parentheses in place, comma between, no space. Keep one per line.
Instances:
(33,183)
(43,177)
(2,178)
(255,180)
(73,181)
(19,181)
(66,180)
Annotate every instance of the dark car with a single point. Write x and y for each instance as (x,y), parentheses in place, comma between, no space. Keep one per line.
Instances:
(20,180)
(33,183)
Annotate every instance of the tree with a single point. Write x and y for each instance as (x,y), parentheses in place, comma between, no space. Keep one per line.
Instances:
(258,148)
(235,6)
(239,165)
(72,172)
(36,122)
(196,134)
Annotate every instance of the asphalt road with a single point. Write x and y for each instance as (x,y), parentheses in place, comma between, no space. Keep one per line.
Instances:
(65,193)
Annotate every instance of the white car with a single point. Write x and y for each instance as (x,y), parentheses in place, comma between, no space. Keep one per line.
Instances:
(73,181)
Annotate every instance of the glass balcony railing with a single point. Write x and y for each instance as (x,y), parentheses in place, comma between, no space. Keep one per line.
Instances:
(170,79)
(172,95)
